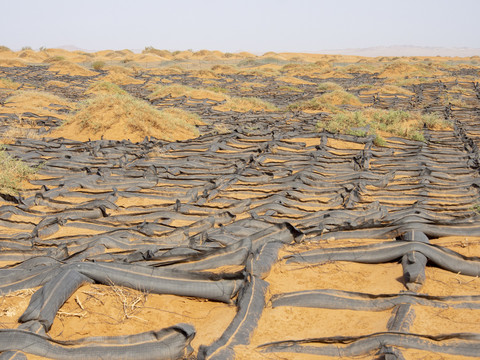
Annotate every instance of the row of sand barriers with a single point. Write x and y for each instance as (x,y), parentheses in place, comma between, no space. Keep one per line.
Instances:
(220,209)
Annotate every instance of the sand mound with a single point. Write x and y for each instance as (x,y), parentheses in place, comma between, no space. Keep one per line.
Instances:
(104,87)
(68,68)
(36,102)
(294,80)
(224,69)
(177,90)
(172,70)
(120,78)
(148,58)
(32,56)
(340,97)
(12,63)
(402,69)
(244,104)
(182,55)
(390,90)
(335,75)
(204,74)
(119,117)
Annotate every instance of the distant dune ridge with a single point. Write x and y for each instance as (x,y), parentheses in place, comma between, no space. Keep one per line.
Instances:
(394,50)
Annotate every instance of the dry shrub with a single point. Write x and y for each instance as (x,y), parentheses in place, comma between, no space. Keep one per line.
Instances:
(327,102)
(340,97)
(243,104)
(104,87)
(19,131)
(121,116)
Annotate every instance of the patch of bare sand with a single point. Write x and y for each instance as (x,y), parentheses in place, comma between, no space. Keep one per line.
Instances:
(12,306)
(98,310)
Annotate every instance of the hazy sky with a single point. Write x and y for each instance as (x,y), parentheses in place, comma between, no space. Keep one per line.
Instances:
(250,25)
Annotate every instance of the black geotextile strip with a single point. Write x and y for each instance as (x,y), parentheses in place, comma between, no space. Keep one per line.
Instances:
(12,355)
(250,304)
(466,344)
(338,299)
(169,343)
(45,302)
(414,262)
(389,251)
(454,228)
(402,318)
(143,278)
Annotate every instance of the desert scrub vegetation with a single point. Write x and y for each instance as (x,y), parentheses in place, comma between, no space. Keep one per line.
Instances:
(9,84)
(379,122)
(403,69)
(105,87)
(328,102)
(12,173)
(177,90)
(293,80)
(120,116)
(218,89)
(243,104)
(389,89)
(329,86)
(98,65)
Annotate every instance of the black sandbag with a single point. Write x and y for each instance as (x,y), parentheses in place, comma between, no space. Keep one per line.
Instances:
(46,301)
(338,299)
(389,251)
(402,318)
(466,344)
(161,281)
(250,304)
(169,343)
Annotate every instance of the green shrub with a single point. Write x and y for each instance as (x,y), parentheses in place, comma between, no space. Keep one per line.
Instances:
(394,122)
(98,65)
(12,173)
